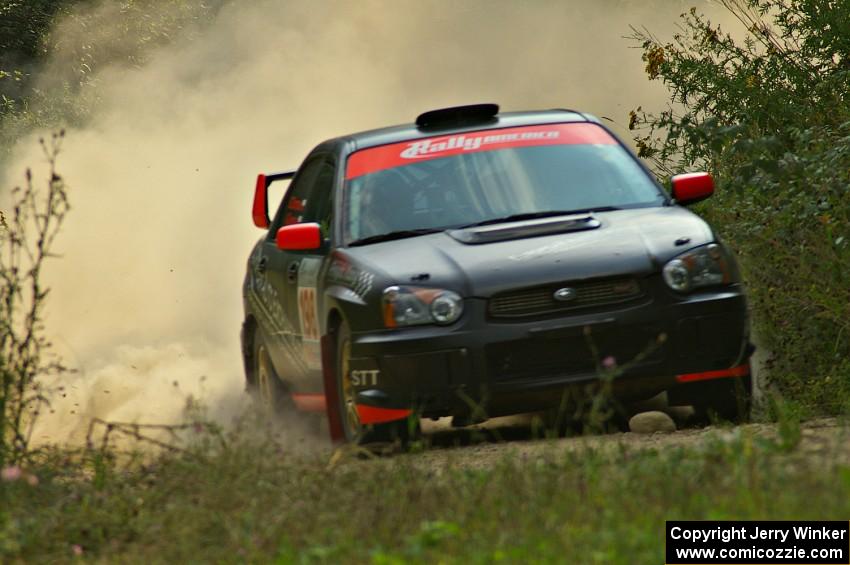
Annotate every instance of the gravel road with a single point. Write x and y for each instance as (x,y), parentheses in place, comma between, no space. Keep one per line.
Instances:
(826,438)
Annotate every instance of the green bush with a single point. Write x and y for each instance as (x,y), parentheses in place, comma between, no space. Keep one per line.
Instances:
(73,40)
(769,115)
(24,26)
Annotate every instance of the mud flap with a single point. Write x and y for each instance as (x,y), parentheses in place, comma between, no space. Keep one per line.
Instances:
(328,346)
(246,341)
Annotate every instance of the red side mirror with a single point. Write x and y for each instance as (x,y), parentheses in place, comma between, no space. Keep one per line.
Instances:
(260,210)
(692,187)
(299,237)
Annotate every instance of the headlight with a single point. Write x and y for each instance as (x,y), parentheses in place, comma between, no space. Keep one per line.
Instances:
(708,265)
(411,306)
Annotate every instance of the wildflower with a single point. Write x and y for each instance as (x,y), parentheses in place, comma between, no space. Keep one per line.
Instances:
(77,549)
(609,362)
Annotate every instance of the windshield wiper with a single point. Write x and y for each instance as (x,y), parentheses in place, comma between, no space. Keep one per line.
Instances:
(394,235)
(536,215)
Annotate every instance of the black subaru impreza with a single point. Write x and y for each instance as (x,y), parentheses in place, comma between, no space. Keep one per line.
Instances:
(477,264)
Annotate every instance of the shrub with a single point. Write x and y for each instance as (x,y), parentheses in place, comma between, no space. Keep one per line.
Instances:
(27,234)
(769,115)
(51,52)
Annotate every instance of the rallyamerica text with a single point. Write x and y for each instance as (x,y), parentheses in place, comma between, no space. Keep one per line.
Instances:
(725,535)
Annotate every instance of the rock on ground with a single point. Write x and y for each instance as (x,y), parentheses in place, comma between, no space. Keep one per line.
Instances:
(651,422)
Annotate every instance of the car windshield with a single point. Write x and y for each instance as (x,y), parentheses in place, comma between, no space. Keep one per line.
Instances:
(451,181)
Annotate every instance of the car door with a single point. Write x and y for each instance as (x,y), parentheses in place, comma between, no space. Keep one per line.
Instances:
(293,275)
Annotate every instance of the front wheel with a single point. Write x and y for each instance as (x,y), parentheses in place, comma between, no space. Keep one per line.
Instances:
(725,400)
(355,431)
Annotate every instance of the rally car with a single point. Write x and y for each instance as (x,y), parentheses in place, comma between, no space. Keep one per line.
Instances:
(476,264)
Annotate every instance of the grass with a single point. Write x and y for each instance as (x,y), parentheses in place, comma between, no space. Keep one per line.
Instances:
(251,502)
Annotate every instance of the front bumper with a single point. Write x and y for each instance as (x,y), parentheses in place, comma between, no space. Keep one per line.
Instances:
(508,367)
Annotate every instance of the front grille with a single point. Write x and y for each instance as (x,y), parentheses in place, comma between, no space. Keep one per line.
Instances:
(541,299)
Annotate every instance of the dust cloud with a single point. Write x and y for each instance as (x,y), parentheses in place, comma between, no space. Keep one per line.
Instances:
(146,300)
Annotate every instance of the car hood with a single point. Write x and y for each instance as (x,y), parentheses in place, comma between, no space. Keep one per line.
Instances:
(627,242)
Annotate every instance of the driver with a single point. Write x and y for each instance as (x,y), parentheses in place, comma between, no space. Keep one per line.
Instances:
(388,204)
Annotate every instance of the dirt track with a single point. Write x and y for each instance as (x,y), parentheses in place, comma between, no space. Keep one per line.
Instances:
(827,439)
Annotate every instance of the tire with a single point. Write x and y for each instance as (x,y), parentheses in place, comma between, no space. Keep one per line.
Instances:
(267,389)
(354,431)
(725,400)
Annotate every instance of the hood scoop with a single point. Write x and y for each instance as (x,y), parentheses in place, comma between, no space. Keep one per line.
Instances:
(523,229)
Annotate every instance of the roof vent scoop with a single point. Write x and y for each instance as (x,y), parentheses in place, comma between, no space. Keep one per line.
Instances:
(457,115)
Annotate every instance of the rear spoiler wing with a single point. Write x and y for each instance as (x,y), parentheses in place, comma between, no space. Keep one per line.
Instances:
(260,209)
(282,175)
